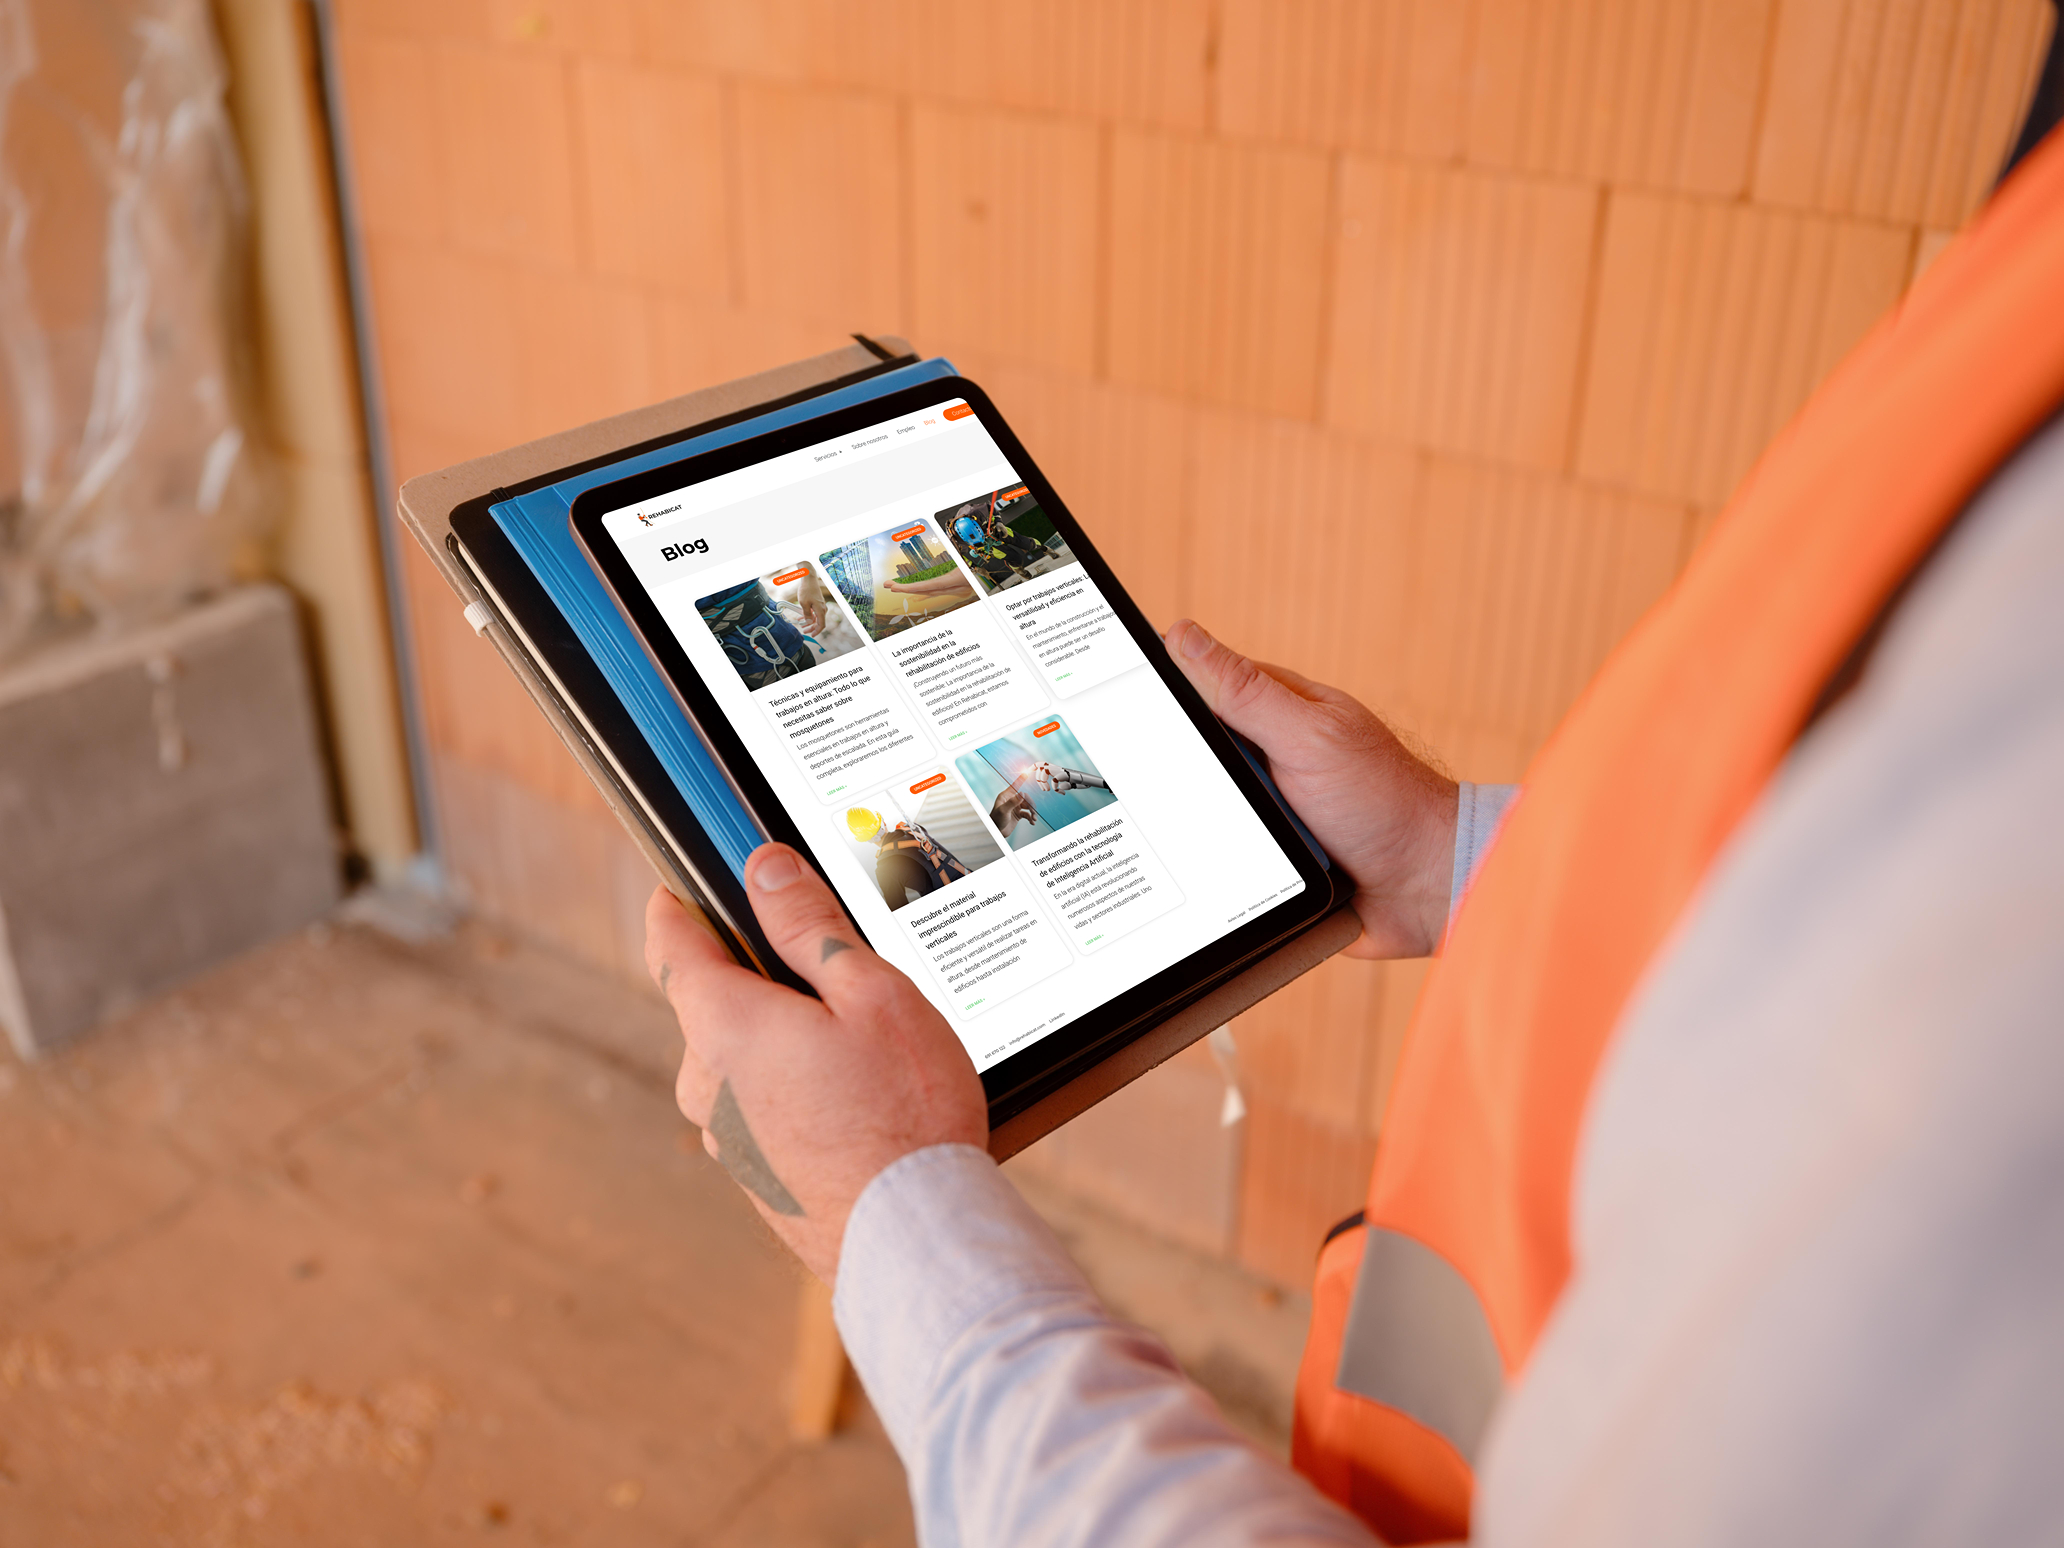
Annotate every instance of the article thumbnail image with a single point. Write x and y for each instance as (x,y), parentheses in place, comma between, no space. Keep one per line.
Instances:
(898,579)
(917,837)
(1035,782)
(777,624)
(1005,538)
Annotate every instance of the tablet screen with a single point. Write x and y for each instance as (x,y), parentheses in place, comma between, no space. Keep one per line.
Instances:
(972,744)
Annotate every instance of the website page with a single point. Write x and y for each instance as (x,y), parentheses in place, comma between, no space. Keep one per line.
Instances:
(1007,797)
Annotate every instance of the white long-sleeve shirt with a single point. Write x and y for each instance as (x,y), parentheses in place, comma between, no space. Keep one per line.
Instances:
(1818,1209)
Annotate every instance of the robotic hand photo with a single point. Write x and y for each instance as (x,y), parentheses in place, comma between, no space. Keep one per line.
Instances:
(1059,781)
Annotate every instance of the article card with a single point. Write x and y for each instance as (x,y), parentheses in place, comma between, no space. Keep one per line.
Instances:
(1013,548)
(845,724)
(918,836)
(1052,804)
(985,939)
(964,675)
(1069,631)
(1101,879)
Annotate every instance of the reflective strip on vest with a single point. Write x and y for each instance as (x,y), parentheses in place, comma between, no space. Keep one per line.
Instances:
(1417,1340)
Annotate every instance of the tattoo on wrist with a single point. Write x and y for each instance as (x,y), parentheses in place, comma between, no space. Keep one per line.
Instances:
(742,1156)
(832,947)
(666,971)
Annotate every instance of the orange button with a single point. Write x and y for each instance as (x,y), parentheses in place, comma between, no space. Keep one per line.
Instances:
(1051,725)
(796,574)
(925,784)
(1012,494)
(897,537)
(960,411)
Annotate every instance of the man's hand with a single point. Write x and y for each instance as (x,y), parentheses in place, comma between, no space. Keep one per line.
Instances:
(811,599)
(938,583)
(1381,813)
(804,1100)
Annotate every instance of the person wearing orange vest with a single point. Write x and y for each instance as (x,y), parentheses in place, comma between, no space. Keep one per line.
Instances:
(1721,1194)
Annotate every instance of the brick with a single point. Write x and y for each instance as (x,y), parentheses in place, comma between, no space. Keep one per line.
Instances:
(543,869)
(1404,982)
(821,205)
(163,806)
(1388,76)
(1927,250)
(506,152)
(1300,548)
(414,449)
(1301,1177)
(1133,61)
(447,20)
(695,344)
(1899,110)
(584,351)
(1184,1184)
(1521,585)
(592,28)
(1714,322)
(1702,523)
(474,708)
(769,40)
(446,328)
(1217,271)
(1138,61)
(1118,459)
(1646,93)
(652,173)
(1458,309)
(1004,235)
(389,112)
(1312,1046)
(1463,749)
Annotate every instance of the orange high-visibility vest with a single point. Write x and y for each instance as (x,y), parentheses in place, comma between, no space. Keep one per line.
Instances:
(1425,1310)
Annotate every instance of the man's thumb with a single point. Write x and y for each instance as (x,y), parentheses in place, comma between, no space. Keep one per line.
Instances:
(802,919)
(1238,692)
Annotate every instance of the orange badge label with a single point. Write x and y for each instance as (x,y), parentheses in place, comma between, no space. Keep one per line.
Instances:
(796,574)
(1051,725)
(897,537)
(925,784)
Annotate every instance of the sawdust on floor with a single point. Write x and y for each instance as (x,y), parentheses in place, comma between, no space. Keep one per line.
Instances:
(362,1242)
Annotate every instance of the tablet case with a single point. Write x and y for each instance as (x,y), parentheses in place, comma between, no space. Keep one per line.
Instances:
(492,527)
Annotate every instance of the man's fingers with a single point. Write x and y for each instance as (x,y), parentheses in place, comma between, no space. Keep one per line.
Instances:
(710,993)
(674,936)
(803,921)
(1305,687)
(1239,691)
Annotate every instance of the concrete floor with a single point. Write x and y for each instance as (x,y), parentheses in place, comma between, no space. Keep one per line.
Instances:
(356,1242)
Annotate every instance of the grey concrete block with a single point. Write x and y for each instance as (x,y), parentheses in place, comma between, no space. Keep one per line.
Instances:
(163,806)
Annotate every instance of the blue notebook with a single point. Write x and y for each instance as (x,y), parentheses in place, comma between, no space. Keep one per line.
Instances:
(536,525)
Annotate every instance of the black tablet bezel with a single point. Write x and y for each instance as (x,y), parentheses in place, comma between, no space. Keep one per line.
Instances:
(1022,1079)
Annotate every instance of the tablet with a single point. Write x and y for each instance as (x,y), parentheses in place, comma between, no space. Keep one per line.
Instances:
(915,668)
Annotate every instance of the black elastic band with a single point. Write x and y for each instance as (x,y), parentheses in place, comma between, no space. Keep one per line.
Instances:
(1353,1222)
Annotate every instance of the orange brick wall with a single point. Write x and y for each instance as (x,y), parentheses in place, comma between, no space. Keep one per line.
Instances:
(1411,342)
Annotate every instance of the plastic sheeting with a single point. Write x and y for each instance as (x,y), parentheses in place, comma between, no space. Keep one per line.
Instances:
(129,480)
